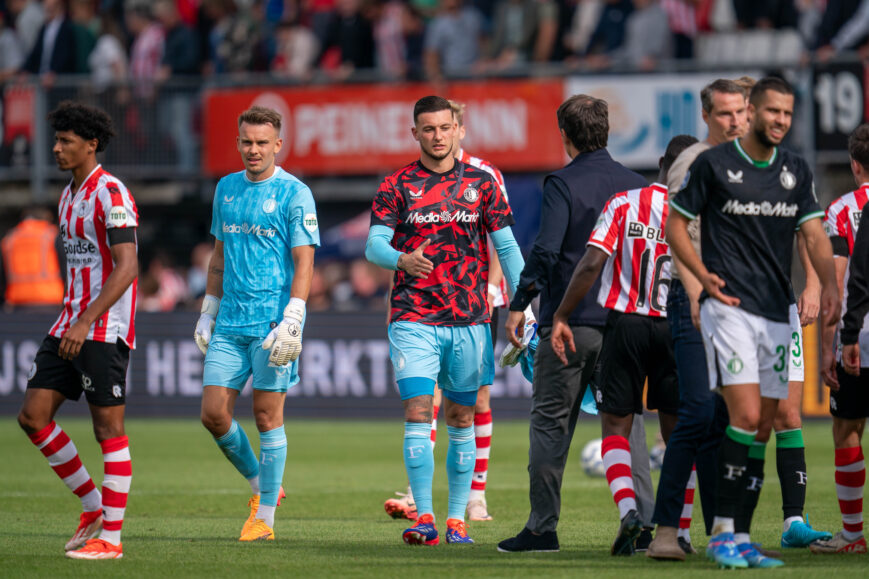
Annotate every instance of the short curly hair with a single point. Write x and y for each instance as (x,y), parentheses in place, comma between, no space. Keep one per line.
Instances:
(85,121)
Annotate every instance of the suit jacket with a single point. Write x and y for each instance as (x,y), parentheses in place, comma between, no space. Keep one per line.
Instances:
(62,57)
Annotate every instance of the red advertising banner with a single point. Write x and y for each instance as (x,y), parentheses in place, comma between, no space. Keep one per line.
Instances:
(365,129)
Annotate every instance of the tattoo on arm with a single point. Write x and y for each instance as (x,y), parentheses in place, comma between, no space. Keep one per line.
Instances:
(215,270)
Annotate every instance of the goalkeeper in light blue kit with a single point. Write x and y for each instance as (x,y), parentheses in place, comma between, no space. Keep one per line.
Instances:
(265,225)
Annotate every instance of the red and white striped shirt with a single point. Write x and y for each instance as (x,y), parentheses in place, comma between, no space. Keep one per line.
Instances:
(502,299)
(100,204)
(841,220)
(630,230)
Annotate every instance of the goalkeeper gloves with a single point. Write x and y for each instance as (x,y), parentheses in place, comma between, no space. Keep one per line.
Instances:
(510,355)
(205,325)
(285,340)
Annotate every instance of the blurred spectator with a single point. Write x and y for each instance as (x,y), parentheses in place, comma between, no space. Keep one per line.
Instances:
(398,30)
(319,298)
(682,15)
(766,14)
(609,34)
(241,39)
(349,41)
(146,52)
(524,31)
(26,17)
(108,60)
(11,50)
(647,39)
(54,51)
(296,51)
(844,26)
(180,59)
(586,15)
(452,40)
(162,289)
(31,272)
(197,275)
(86,27)
(369,285)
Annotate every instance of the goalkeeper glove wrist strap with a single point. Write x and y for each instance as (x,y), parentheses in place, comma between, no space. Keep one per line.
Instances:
(210,305)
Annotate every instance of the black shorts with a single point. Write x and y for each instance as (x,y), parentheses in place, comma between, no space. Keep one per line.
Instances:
(851,401)
(636,347)
(99,370)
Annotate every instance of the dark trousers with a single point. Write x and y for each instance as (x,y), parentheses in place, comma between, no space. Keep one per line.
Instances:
(701,423)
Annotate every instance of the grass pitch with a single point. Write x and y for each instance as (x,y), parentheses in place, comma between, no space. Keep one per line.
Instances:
(187,505)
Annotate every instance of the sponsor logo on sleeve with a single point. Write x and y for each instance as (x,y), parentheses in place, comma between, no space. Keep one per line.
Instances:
(310,222)
(117,216)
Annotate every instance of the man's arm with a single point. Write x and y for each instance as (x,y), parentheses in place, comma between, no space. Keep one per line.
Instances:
(126,268)
(214,279)
(809,302)
(828,333)
(584,276)
(303,262)
(821,255)
(858,299)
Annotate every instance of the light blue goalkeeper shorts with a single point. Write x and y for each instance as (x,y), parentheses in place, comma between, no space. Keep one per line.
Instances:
(231,359)
(452,356)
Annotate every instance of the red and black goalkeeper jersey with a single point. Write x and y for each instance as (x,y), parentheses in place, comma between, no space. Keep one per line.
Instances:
(454,210)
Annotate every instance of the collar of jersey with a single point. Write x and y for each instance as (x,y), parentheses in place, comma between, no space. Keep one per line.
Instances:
(264,181)
(758,164)
(85,182)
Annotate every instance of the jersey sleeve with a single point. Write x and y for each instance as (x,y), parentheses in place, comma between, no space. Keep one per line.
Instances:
(304,226)
(808,199)
(694,193)
(835,228)
(216,219)
(608,230)
(496,211)
(385,208)
(119,208)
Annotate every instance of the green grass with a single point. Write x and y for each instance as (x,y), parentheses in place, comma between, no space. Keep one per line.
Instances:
(187,505)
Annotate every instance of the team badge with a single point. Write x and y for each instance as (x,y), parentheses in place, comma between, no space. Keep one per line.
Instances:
(32,372)
(82,208)
(310,222)
(269,205)
(788,179)
(471,194)
(735,365)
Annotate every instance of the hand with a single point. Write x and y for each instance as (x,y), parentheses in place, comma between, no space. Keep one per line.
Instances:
(415,262)
(828,367)
(809,305)
(713,284)
(695,312)
(285,340)
(512,352)
(515,327)
(561,335)
(205,325)
(851,359)
(73,339)
(831,306)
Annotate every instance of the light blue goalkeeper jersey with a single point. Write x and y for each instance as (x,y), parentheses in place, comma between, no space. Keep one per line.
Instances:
(259,224)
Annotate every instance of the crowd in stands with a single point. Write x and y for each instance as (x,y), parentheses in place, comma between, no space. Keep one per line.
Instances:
(149,41)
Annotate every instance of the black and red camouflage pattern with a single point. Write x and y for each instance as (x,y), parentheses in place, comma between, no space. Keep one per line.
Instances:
(419,204)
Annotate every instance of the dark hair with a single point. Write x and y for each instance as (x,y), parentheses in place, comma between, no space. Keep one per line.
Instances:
(722,85)
(430,104)
(257,115)
(778,84)
(85,121)
(585,121)
(858,145)
(674,148)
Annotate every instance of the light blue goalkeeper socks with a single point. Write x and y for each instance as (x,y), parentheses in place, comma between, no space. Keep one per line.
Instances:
(236,447)
(461,456)
(419,463)
(273,457)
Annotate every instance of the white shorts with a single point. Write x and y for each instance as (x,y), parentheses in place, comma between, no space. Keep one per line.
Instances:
(797,371)
(743,348)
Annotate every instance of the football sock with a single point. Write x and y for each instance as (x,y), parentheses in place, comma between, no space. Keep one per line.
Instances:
(483,440)
(790,462)
(850,478)
(616,453)
(732,464)
(460,469)
(273,457)
(688,506)
(63,458)
(434,425)
(419,464)
(116,486)
(753,480)
(236,447)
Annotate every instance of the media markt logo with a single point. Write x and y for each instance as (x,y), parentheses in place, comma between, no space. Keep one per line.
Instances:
(735,365)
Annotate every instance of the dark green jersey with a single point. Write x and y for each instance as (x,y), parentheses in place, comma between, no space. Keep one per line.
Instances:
(750,211)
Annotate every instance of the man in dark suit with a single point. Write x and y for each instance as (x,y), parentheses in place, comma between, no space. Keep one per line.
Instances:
(54,50)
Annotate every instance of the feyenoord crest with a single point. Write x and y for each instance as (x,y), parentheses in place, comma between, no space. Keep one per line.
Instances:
(788,179)
(735,365)
(471,194)
(269,205)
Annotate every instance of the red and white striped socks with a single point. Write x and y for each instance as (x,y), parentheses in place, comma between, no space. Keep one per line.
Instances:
(688,506)
(616,454)
(483,434)
(850,478)
(116,486)
(62,456)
